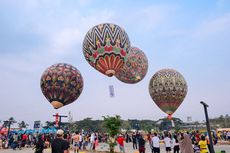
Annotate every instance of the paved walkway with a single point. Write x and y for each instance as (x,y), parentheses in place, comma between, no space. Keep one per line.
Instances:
(104,147)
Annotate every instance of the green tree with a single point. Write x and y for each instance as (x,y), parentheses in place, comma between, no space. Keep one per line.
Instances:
(89,124)
(22,125)
(147,125)
(126,125)
(9,122)
(112,124)
(49,124)
(220,122)
(72,127)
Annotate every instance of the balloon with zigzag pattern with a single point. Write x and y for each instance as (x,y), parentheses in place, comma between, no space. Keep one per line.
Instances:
(105,47)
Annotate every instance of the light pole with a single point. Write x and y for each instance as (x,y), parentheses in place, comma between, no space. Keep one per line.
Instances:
(208,126)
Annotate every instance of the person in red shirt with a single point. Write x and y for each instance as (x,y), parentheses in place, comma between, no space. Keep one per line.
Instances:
(120,141)
(24,139)
(197,135)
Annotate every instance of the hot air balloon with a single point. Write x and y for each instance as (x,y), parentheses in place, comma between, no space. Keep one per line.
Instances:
(105,47)
(61,84)
(168,89)
(135,68)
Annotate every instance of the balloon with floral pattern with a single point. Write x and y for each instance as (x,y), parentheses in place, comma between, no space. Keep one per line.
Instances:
(61,84)
(135,68)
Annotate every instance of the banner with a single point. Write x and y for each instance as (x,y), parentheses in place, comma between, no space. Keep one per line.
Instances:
(37,124)
(111,91)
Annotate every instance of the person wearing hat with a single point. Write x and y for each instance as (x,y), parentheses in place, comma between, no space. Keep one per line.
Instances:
(59,145)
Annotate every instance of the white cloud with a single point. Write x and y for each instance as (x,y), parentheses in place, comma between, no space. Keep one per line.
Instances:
(213,28)
(148,18)
(64,37)
(64,41)
(221,4)
(84,2)
(152,17)
(61,39)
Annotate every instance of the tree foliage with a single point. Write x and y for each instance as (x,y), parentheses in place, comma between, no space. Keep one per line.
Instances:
(126,125)
(9,122)
(88,124)
(49,124)
(22,124)
(222,121)
(166,124)
(112,124)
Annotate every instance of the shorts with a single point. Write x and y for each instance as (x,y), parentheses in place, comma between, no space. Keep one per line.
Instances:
(156,149)
(168,148)
(76,144)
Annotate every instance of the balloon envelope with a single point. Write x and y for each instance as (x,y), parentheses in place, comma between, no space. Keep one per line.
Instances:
(61,84)
(105,47)
(168,89)
(135,68)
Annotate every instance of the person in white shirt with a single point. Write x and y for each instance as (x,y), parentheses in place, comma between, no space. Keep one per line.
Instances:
(92,139)
(80,140)
(168,143)
(155,144)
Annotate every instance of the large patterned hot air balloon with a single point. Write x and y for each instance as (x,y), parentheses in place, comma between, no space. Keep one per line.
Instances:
(135,68)
(168,89)
(61,84)
(105,47)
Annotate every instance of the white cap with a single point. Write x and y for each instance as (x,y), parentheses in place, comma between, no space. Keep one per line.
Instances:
(60,132)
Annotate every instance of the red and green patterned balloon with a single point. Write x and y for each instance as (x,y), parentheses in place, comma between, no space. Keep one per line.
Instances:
(168,89)
(105,48)
(61,84)
(135,68)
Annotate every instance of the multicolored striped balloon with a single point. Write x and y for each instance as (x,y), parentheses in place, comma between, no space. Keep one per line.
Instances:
(105,48)
(168,89)
(135,68)
(61,84)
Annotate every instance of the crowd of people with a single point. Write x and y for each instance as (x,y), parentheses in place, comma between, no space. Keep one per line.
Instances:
(77,141)
(184,142)
(19,141)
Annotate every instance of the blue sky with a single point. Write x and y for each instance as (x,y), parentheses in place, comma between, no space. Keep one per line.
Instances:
(189,36)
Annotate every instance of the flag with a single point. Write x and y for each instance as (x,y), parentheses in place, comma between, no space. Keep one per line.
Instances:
(111,91)
(56,119)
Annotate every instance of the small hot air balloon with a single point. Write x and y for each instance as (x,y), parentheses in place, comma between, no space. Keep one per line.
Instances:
(168,89)
(135,68)
(105,47)
(61,84)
